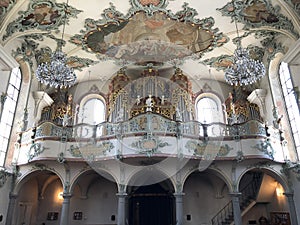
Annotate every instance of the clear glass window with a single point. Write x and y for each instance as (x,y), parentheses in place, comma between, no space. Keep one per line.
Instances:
(290,103)
(8,112)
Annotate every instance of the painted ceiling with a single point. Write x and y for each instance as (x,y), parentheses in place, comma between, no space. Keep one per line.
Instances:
(100,37)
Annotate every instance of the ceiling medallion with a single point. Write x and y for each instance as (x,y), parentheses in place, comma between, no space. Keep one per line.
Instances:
(57,73)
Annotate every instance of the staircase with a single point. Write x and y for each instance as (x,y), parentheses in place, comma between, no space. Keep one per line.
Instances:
(247,200)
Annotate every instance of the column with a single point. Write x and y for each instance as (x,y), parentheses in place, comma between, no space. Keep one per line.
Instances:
(11,207)
(235,197)
(293,213)
(179,208)
(64,219)
(121,208)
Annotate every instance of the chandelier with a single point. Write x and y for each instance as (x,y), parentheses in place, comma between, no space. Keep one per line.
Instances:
(244,70)
(57,73)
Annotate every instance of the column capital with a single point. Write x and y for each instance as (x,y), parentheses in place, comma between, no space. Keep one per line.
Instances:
(178,194)
(122,194)
(13,195)
(67,195)
(235,194)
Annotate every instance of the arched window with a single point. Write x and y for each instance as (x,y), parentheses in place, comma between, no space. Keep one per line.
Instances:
(92,110)
(209,109)
(290,103)
(8,112)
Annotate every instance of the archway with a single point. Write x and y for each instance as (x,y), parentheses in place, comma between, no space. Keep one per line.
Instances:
(94,198)
(262,197)
(39,198)
(205,194)
(152,204)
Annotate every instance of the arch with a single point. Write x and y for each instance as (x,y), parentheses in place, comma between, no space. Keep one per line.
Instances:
(269,171)
(151,199)
(215,172)
(31,174)
(148,177)
(104,173)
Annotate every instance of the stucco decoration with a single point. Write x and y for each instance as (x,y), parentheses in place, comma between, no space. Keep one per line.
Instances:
(43,15)
(265,147)
(270,47)
(201,148)
(35,150)
(26,51)
(154,34)
(149,5)
(75,151)
(92,151)
(222,62)
(295,4)
(293,167)
(3,177)
(5,7)
(149,144)
(29,51)
(257,14)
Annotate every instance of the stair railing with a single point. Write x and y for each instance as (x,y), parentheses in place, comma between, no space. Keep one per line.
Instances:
(248,194)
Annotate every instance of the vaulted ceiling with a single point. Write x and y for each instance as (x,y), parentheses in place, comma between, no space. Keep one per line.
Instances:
(103,36)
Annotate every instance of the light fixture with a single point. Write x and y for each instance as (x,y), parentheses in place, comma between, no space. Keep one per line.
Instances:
(57,73)
(244,70)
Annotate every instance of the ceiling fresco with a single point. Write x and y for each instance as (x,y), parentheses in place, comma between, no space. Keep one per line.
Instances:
(138,32)
(138,37)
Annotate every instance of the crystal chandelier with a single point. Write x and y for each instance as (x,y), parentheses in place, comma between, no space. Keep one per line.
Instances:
(57,73)
(244,70)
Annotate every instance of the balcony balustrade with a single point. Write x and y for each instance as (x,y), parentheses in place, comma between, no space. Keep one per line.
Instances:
(150,135)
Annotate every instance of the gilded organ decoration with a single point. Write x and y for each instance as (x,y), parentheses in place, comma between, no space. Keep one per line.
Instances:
(62,112)
(131,95)
(239,109)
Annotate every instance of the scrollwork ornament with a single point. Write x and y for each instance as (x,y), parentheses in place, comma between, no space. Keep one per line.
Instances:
(35,150)
(3,177)
(61,158)
(240,156)
(246,13)
(34,19)
(291,166)
(265,147)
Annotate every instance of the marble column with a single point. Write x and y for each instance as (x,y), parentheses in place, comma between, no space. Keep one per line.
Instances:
(292,208)
(235,197)
(64,219)
(121,208)
(179,208)
(11,207)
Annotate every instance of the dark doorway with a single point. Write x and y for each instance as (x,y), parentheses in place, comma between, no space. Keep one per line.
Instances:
(151,205)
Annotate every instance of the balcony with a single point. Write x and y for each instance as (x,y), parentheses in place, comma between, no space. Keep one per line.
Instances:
(149,135)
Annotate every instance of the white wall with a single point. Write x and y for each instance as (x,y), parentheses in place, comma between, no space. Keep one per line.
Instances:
(4,196)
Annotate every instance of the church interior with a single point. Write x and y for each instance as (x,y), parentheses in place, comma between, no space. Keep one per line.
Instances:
(149,112)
